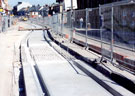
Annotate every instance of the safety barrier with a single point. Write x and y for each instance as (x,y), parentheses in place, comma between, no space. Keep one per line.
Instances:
(118,36)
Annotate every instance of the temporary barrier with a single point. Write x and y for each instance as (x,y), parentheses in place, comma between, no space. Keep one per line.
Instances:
(118,36)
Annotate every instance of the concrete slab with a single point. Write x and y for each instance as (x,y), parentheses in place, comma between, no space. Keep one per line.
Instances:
(62,80)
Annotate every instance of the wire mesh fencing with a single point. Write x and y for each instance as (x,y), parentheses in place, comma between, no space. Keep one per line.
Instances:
(106,34)
(93,35)
(119,33)
(80,25)
(124,34)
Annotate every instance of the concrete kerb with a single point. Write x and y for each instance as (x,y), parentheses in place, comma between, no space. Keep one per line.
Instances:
(30,91)
(28,67)
(34,70)
(130,84)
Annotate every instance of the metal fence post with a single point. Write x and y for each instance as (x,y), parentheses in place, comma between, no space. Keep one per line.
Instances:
(62,21)
(57,23)
(134,44)
(53,20)
(86,28)
(112,31)
(3,24)
(71,32)
(101,27)
(52,23)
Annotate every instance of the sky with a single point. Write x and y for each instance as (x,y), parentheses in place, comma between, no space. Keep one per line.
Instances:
(36,2)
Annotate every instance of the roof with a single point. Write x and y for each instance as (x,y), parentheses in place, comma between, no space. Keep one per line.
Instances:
(23,5)
(44,8)
(23,9)
(34,8)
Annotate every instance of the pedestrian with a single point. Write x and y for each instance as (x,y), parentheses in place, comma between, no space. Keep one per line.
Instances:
(81,22)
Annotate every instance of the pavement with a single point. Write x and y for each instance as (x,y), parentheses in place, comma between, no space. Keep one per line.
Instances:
(9,58)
